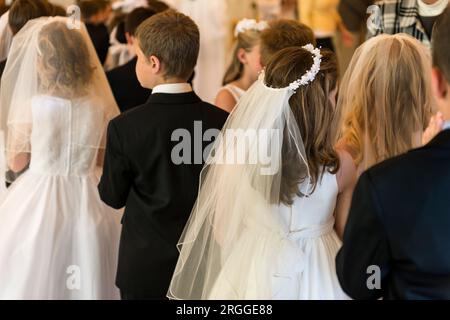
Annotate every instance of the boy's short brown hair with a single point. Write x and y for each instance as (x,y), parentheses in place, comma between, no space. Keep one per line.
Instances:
(441,43)
(283,34)
(174,39)
(22,11)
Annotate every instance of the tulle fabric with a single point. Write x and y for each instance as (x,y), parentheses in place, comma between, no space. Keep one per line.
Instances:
(303,267)
(22,81)
(303,270)
(234,193)
(58,240)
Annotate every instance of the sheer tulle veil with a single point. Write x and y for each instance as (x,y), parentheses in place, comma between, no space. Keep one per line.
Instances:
(52,57)
(240,187)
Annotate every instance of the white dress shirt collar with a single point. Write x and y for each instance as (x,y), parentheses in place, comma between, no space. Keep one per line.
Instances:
(446,125)
(431,10)
(172,88)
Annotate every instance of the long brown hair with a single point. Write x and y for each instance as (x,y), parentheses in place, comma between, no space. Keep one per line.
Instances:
(385,98)
(314,113)
(247,41)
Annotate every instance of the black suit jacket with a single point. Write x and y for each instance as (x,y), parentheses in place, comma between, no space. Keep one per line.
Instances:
(400,222)
(126,87)
(157,194)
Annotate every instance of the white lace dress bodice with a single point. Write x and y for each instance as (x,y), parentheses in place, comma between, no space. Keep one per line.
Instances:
(65,136)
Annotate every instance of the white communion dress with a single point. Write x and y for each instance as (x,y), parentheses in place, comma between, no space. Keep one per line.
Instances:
(306,246)
(57,238)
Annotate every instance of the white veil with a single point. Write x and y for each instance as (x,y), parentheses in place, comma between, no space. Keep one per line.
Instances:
(240,188)
(50,57)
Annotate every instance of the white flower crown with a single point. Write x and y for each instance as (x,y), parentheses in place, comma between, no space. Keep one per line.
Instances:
(308,77)
(250,24)
(311,74)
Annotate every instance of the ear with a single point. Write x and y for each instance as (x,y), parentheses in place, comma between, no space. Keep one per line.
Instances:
(155,64)
(439,84)
(242,56)
(129,38)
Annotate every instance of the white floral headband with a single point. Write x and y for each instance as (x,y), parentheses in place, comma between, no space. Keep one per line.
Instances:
(311,74)
(250,24)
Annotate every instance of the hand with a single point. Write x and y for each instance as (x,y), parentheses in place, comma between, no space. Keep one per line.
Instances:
(435,126)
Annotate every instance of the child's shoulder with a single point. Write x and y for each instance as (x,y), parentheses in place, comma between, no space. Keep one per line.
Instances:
(213,109)
(136,117)
(154,115)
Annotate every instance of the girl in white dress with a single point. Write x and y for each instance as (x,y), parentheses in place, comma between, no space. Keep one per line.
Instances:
(57,239)
(264,224)
(245,64)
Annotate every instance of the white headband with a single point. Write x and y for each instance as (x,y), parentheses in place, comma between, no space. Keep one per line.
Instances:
(250,24)
(311,74)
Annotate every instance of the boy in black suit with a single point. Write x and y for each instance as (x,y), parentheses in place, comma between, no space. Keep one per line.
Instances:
(397,239)
(143,169)
(125,86)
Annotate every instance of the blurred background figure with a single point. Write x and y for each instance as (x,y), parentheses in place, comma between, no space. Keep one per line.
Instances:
(4,6)
(289,9)
(268,9)
(120,51)
(245,64)
(213,23)
(413,17)
(95,14)
(124,83)
(322,16)
(5,31)
(354,17)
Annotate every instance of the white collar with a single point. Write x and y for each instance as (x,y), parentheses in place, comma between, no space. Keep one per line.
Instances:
(172,88)
(446,125)
(431,10)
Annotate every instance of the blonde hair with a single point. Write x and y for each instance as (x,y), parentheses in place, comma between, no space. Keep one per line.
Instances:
(385,98)
(314,113)
(247,41)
